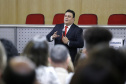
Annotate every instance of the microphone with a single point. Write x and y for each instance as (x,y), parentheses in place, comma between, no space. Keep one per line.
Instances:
(63,32)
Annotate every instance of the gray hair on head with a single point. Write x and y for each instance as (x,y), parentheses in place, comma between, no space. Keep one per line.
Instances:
(3,58)
(59,53)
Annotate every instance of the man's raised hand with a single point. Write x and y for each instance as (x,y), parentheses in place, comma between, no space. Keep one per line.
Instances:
(55,35)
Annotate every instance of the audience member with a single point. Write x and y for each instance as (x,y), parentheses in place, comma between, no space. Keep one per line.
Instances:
(104,66)
(93,36)
(79,59)
(2,61)
(37,51)
(117,58)
(70,67)
(96,35)
(20,70)
(59,59)
(96,73)
(10,49)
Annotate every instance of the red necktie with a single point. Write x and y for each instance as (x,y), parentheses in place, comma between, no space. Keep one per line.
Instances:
(66,30)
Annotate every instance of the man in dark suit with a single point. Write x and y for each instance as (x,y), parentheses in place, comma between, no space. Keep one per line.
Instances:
(71,38)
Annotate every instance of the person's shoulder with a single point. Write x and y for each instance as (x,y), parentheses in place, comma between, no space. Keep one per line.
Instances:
(74,25)
(77,27)
(69,77)
(59,24)
(45,69)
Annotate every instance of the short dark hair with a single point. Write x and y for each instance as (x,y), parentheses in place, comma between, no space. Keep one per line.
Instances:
(94,73)
(103,66)
(96,35)
(10,48)
(71,11)
(111,55)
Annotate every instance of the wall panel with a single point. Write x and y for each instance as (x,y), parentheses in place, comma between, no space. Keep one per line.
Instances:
(62,5)
(47,7)
(103,8)
(26,7)
(8,13)
(16,11)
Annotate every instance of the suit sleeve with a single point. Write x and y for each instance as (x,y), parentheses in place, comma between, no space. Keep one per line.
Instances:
(51,33)
(79,42)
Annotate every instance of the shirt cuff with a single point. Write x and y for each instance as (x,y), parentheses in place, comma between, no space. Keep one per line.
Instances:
(68,43)
(51,39)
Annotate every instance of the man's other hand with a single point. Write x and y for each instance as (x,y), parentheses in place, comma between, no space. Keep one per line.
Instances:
(65,40)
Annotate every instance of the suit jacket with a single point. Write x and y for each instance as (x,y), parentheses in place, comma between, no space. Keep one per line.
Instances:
(74,35)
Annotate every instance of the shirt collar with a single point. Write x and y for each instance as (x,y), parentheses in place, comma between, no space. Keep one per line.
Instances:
(68,26)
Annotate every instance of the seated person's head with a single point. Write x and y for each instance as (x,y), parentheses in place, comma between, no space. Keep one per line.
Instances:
(3,59)
(96,35)
(20,70)
(59,56)
(37,50)
(96,73)
(104,66)
(109,55)
(10,49)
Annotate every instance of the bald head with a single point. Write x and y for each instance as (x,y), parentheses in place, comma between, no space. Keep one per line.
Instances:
(20,68)
(22,65)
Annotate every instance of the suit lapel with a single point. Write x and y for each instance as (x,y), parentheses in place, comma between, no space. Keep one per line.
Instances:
(60,30)
(70,30)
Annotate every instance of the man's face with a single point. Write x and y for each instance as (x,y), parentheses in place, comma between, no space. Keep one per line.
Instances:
(68,18)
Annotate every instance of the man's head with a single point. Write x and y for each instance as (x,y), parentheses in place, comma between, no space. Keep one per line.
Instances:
(94,36)
(59,54)
(20,70)
(94,73)
(69,17)
(104,65)
(37,50)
